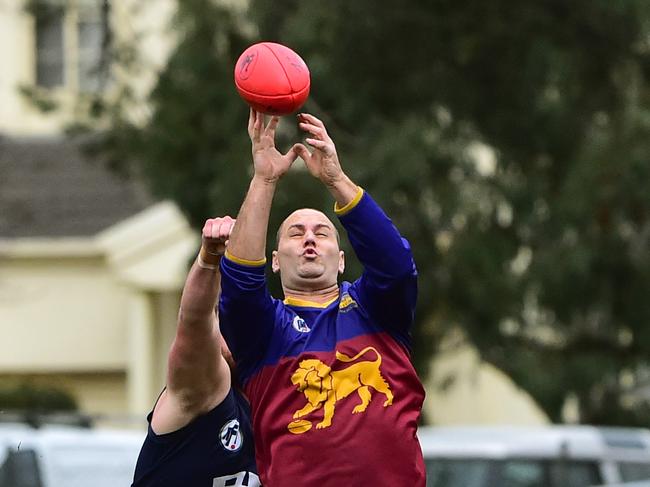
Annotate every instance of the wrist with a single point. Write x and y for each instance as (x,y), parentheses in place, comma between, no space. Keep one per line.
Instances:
(208,257)
(265,180)
(333,182)
(203,265)
(344,190)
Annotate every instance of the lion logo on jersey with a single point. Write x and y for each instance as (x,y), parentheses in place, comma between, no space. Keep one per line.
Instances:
(324,387)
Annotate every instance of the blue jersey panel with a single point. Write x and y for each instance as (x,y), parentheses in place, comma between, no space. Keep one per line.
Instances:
(261,330)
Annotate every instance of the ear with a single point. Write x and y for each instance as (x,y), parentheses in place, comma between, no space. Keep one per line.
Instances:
(341,262)
(275,264)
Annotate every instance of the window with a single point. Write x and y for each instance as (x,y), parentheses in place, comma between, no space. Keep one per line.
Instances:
(90,34)
(524,473)
(516,472)
(457,473)
(632,471)
(69,43)
(49,46)
(20,470)
(577,474)
(544,473)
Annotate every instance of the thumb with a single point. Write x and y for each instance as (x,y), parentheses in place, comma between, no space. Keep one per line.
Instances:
(302,152)
(293,153)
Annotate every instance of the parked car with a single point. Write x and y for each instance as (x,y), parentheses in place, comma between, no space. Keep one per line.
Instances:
(11,436)
(63,456)
(552,456)
(642,483)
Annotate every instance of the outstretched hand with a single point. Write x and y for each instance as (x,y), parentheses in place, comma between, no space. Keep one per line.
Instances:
(269,163)
(215,235)
(323,161)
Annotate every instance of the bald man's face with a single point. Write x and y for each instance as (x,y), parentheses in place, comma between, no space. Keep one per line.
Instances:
(308,257)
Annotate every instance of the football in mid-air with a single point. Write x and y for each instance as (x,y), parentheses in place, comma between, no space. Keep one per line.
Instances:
(272,78)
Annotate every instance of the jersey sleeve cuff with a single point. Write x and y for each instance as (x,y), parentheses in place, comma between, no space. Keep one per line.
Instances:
(244,262)
(347,208)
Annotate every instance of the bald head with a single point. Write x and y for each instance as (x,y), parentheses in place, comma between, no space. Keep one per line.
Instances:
(306,212)
(308,257)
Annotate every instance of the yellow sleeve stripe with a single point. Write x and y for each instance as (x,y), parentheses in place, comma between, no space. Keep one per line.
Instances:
(237,260)
(347,208)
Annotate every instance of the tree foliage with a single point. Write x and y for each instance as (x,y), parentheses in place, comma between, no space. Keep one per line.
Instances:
(34,398)
(507,139)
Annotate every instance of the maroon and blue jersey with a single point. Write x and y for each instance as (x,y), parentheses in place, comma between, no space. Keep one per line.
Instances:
(334,396)
(214,450)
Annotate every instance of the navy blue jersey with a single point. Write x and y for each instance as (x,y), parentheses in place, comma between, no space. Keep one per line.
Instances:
(214,450)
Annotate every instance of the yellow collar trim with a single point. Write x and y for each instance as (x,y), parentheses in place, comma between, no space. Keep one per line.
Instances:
(308,304)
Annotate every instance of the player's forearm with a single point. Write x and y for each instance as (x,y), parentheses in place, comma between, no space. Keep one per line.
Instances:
(248,238)
(193,366)
(200,295)
(343,190)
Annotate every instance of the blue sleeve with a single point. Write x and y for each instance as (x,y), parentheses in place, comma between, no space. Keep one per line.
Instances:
(388,285)
(246,313)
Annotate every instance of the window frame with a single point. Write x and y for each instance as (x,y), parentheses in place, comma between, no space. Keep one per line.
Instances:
(495,467)
(73,17)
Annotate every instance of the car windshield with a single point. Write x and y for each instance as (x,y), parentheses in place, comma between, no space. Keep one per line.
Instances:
(468,472)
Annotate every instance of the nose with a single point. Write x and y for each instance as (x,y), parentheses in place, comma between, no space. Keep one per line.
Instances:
(309,238)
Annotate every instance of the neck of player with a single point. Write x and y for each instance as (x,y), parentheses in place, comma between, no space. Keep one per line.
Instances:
(316,296)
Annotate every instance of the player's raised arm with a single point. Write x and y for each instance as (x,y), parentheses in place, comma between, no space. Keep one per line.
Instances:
(245,306)
(388,284)
(323,163)
(248,240)
(198,377)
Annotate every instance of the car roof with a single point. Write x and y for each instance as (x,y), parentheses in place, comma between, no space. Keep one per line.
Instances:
(580,442)
(12,435)
(56,436)
(641,483)
(70,455)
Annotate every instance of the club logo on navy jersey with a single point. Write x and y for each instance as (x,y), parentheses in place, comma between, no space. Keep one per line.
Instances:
(300,325)
(231,436)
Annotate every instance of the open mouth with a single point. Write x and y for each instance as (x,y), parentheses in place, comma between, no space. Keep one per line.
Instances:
(310,254)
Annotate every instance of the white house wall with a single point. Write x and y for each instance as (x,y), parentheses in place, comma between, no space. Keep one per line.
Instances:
(67,314)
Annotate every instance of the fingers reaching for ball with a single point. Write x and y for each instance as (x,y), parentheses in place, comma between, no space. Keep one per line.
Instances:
(319,139)
(272,126)
(323,162)
(252,116)
(311,123)
(255,125)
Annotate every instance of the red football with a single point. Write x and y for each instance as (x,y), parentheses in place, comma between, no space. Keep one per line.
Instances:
(272,78)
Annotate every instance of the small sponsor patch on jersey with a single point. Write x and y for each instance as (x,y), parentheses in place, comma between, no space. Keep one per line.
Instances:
(300,325)
(347,303)
(231,436)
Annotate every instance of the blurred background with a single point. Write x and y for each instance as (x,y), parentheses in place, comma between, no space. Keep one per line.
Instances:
(508,140)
